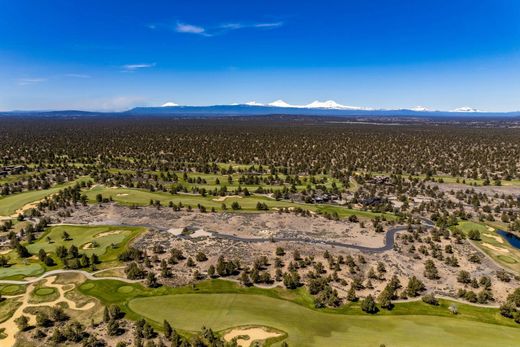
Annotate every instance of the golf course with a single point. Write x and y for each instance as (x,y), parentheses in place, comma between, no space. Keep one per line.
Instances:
(107,242)
(222,305)
(494,245)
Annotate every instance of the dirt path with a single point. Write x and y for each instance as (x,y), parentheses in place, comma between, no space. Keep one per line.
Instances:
(88,275)
(460,301)
(10,326)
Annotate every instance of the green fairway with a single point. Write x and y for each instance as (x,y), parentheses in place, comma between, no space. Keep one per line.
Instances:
(494,245)
(20,270)
(126,196)
(222,304)
(11,203)
(307,327)
(89,239)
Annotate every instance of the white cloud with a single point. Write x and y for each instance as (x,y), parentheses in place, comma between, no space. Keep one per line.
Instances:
(29,81)
(190,29)
(77,75)
(135,67)
(268,25)
(185,28)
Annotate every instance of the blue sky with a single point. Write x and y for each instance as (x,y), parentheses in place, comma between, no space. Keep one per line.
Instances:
(112,55)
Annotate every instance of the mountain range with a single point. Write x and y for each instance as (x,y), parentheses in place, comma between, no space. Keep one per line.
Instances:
(278,107)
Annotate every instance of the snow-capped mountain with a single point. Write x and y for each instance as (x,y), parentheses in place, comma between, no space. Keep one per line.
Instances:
(419,109)
(281,103)
(254,103)
(330,104)
(169,104)
(465,109)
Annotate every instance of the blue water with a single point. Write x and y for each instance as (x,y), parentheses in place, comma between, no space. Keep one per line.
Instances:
(512,239)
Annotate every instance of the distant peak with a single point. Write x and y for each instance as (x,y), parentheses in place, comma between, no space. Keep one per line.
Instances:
(325,104)
(281,103)
(420,109)
(169,104)
(465,109)
(331,104)
(254,103)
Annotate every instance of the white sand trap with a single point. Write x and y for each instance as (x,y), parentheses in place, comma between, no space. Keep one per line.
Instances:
(108,233)
(200,233)
(497,238)
(223,198)
(175,231)
(497,249)
(255,334)
(10,326)
(88,246)
(122,194)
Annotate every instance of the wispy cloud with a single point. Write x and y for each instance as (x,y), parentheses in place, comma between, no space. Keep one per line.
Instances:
(135,67)
(185,28)
(29,81)
(190,29)
(77,75)
(268,25)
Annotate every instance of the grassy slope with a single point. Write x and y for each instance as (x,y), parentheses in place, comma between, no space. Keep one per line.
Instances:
(188,309)
(140,197)
(9,204)
(307,327)
(508,257)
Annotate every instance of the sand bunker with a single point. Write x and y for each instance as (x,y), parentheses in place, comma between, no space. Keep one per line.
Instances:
(223,198)
(122,194)
(200,233)
(88,246)
(254,334)
(108,233)
(497,238)
(495,248)
(175,231)
(10,326)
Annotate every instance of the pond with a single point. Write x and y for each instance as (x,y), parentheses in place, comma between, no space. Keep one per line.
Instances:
(511,238)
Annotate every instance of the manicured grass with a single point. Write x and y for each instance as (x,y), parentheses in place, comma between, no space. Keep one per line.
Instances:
(83,236)
(126,196)
(494,245)
(19,270)
(111,241)
(43,294)
(223,304)
(11,203)
(44,291)
(11,289)
(307,327)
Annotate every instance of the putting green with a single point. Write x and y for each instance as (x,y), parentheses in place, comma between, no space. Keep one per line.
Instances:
(44,291)
(507,259)
(307,327)
(87,286)
(12,289)
(125,289)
